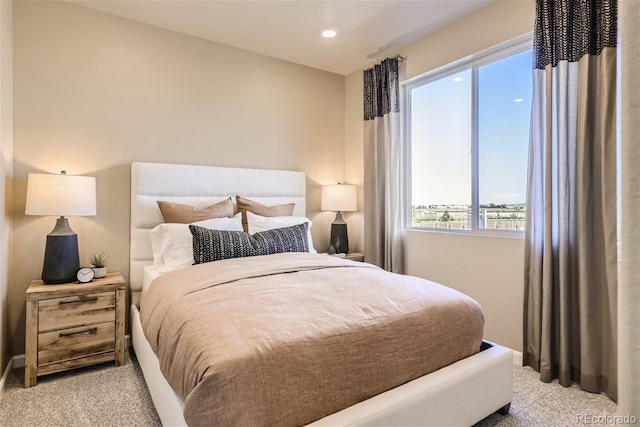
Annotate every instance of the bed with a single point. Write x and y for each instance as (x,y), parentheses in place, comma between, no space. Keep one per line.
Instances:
(455,394)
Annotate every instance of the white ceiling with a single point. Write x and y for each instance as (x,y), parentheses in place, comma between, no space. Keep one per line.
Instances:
(289,30)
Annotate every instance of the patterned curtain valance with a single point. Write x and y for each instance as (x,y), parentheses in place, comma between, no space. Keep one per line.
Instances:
(381,89)
(566,30)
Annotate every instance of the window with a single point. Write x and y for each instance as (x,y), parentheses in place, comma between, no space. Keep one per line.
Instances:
(468,132)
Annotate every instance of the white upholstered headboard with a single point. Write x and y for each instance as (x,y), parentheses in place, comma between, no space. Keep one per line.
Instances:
(198,186)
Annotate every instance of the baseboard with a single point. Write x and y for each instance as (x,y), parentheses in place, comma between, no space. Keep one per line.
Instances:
(516,355)
(18,361)
(517,358)
(3,380)
(5,375)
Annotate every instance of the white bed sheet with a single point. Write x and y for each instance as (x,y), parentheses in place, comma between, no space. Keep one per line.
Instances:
(149,273)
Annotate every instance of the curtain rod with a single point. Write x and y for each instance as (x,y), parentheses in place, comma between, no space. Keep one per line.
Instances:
(401,60)
(400,57)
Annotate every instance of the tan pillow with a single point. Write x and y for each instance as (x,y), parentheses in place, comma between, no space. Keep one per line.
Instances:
(186,214)
(245,205)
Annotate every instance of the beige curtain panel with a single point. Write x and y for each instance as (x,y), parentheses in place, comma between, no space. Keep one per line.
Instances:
(383,156)
(570,304)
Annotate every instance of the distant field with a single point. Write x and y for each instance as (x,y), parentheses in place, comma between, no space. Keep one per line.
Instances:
(491,217)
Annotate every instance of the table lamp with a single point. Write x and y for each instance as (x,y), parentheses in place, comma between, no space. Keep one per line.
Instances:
(339,198)
(61,195)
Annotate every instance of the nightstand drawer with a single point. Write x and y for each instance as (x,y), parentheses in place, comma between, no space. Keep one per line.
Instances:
(73,343)
(59,313)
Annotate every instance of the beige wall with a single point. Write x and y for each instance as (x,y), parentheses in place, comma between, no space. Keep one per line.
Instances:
(354,157)
(94,92)
(496,23)
(6,175)
(489,269)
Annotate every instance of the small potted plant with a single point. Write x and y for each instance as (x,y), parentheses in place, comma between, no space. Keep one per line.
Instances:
(99,263)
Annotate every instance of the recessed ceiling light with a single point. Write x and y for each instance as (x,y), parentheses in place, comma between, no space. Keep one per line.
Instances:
(457,79)
(329,33)
(518,100)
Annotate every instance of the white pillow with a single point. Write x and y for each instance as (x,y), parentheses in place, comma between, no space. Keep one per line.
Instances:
(172,245)
(256,223)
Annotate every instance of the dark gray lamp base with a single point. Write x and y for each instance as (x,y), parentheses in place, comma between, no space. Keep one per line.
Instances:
(339,238)
(61,259)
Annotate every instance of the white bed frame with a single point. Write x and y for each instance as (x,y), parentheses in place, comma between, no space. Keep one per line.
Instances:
(460,394)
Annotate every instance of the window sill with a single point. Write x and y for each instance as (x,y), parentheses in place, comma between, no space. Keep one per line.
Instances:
(473,233)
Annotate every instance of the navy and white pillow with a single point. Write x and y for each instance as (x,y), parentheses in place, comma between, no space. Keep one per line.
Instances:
(213,245)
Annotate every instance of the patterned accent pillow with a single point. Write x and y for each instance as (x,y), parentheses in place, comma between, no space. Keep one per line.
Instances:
(214,245)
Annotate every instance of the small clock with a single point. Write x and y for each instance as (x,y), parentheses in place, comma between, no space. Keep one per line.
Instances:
(85,274)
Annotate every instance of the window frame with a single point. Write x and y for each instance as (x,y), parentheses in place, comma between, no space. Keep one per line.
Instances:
(472,62)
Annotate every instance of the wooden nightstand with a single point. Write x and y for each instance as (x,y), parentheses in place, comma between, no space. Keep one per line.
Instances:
(73,325)
(355,256)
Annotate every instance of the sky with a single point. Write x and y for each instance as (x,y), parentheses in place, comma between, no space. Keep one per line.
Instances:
(442,132)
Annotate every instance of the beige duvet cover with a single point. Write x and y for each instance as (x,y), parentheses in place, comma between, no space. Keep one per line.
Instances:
(283,340)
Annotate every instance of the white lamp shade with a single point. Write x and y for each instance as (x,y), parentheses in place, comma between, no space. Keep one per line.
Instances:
(339,198)
(60,195)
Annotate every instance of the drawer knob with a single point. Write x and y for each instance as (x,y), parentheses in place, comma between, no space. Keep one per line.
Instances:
(80,301)
(88,331)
